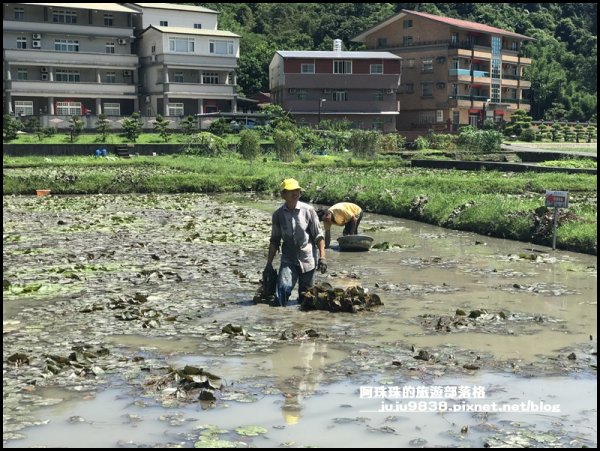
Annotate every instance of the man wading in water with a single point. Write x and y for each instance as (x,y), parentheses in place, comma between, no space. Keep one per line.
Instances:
(303,250)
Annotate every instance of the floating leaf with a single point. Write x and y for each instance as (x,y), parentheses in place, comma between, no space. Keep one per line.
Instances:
(250,430)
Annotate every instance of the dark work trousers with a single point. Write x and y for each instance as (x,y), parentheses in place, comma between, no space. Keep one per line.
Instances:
(348,226)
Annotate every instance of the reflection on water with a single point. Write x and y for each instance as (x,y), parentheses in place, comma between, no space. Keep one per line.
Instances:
(335,415)
(433,271)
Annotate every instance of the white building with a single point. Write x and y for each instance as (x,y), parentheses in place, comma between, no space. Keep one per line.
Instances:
(187,66)
(65,59)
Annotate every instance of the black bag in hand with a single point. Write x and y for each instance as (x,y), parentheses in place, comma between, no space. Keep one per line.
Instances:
(269,281)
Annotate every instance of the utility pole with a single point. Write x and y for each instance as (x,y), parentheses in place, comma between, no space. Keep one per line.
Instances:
(319,119)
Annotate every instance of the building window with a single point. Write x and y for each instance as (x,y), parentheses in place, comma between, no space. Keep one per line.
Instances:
(377,68)
(21,43)
(153,48)
(378,95)
(111,77)
(454,38)
(210,78)
(454,90)
(408,23)
(427,89)
(19,14)
(340,96)
(410,88)
(221,47)
(381,43)
(22,74)
(66,45)
(68,108)
(164,23)
(62,16)
(427,65)
(181,45)
(410,63)
(495,93)
(23,107)
(496,44)
(307,68)
(68,76)
(178,77)
(342,67)
(109,47)
(377,124)
(198,26)
(302,94)
(426,117)
(112,109)
(108,20)
(439,116)
(175,109)
(407,40)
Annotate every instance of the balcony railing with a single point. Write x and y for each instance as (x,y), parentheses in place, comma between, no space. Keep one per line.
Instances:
(473,98)
(476,73)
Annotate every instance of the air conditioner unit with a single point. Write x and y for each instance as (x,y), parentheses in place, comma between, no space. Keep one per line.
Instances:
(44,77)
(122,41)
(327,91)
(389,91)
(292,91)
(126,73)
(43,69)
(147,98)
(36,44)
(36,36)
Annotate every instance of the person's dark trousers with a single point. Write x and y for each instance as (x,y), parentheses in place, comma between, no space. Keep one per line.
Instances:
(348,226)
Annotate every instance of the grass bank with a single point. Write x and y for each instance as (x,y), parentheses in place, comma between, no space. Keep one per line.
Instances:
(507,205)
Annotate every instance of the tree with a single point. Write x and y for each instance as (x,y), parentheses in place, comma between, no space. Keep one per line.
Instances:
(102,126)
(286,143)
(10,126)
(132,127)
(249,145)
(161,127)
(364,144)
(519,121)
(75,127)
(188,125)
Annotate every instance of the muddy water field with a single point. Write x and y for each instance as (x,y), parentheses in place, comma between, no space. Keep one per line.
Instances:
(128,321)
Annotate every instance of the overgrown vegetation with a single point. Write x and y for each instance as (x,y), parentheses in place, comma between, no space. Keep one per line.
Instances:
(487,202)
(564,50)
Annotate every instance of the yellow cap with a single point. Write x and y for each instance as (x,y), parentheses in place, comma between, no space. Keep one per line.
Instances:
(290,185)
(291,417)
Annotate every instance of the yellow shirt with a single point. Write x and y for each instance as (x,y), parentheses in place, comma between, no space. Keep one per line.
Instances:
(343,212)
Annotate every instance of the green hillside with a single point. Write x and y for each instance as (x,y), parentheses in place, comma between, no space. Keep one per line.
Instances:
(564,53)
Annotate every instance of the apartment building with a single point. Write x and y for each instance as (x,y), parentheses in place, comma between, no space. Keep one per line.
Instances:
(64,59)
(359,87)
(454,72)
(187,65)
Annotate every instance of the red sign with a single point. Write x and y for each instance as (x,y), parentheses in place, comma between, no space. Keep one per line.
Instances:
(557,199)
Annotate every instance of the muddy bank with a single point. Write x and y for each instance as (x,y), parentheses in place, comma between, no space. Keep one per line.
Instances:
(112,291)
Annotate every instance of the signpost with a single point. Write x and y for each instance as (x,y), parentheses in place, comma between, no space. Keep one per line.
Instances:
(556,199)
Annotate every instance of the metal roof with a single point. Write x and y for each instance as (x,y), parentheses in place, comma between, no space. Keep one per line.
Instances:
(198,9)
(332,54)
(458,23)
(115,7)
(194,31)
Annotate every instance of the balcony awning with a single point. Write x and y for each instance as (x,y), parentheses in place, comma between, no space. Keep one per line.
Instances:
(474,110)
(499,112)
